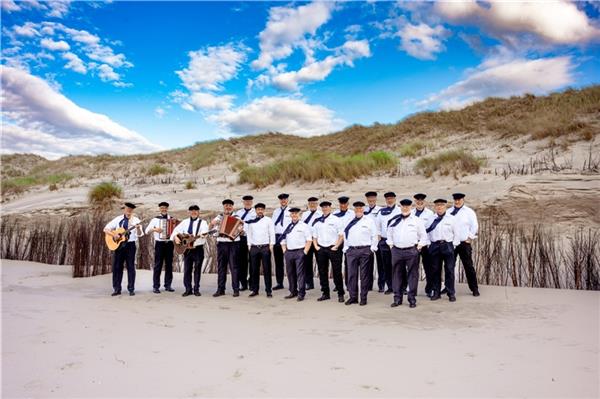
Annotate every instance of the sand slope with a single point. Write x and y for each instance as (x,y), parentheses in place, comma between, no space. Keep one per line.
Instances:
(63,337)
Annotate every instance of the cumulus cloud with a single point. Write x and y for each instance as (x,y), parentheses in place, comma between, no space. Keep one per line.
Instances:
(278,114)
(422,41)
(37,118)
(52,8)
(74,63)
(504,78)
(50,44)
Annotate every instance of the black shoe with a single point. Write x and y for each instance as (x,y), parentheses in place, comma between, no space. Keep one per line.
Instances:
(476,293)
(253,293)
(404,292)
(243,288)
(324,298)
(394,304)
(388,292)
(218,293)
(236,294)
(451,298)
(290,296)
(310,287)
(351,301)
(131,293)
(300,299)
(335,290)
(341,298)
(169,289)
(412,305)
(187,293)
(444,291)
(381,290)
(278,287)
(197,293)
(435,297)
(269,295)
(363,302)
(115,293)
(156,291)
(428,294)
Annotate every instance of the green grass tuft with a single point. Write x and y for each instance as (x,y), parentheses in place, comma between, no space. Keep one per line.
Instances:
(449,162)
(104,192)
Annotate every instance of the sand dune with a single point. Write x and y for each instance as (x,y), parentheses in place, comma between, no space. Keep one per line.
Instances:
(65,337)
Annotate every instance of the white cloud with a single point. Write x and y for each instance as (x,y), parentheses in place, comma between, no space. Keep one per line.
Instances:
(53,8)
(159,112)
(37,118)
(58,8)
(209,101)
(9,6)
(504,78)
(107,74)
(74,63)
(50,44)
(28,29)
(557,22)
(287,28)
(279,114)
(422,41)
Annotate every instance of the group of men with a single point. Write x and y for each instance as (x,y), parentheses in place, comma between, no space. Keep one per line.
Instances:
(351,243)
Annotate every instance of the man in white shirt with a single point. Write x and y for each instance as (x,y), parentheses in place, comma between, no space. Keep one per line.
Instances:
(227,250)
(385,214)
(245,213)
(425,214)
(406,236)
(260,232)
(295,241)
(194,257)
(309,217)
(345,215)
(328,236)
(371,210)
(443,235)
(360,239)
(281,218)
(125,254)
(466,220)
(163,250)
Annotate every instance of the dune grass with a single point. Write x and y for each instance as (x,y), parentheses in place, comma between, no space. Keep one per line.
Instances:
(458,162)
(157,169)
(17,185)
(104,192)
(316,166)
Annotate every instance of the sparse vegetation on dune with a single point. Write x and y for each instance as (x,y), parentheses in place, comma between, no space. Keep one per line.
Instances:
(105,193)
(449,162)
(157,169)
(17,185)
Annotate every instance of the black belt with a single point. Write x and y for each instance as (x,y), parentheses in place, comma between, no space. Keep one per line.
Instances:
(297,249)
(405,248)
(326,247)
(360,247)
(260,246)
(441,242)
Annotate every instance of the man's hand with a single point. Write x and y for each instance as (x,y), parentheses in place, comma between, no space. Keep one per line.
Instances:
(157,230)
(177,240)
(468,240)
(334,248)
(419,247)
(317,247)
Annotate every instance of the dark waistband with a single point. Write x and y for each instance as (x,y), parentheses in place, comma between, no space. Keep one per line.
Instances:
(297,249)
(405,248)
(360,247)
(260,246)
(441,242)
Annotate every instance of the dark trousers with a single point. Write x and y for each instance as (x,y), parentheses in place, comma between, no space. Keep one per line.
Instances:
(325,255)
(426,260)
(308,268)
(465,251)
(294,266)
(125,255)
(405,271)
(226,259)
(358,264)
(442,253)
(380,271)
(279,264)
(163,253)
(260,255)
(242,262)
(192,261)
(386,259)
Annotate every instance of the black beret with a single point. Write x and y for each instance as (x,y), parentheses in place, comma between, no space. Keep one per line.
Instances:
(405,202)
(343,199)
(325,203)
(419,196)
(440,201)
(312,199)
(283,196)
(389,194)
(164,204)
(129,205)
(247,198)
(227,202)
(294,210)
(260,205)
(458,196)
(358,204)
(370,194)
(194,208)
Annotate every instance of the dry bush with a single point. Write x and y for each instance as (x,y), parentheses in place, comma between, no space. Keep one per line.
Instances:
(104,193)
(449,162)
(157,169)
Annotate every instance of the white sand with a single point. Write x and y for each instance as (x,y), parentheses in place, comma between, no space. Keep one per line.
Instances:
(64,337)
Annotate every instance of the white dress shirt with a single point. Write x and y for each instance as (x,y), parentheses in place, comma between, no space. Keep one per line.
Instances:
(328,231)
(382,221)
(199,226)
(279,227)
(425,216)
(364,232)
(307,213)
(261,232)
(297,238)
(251,214)
(446,230)
(116,223)
(409,232)
(155,222)
(218,219)
(466,221)
(348,216)
(372,212)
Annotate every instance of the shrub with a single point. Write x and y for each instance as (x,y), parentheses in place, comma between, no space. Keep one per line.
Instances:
(190,185)
(105,192)
(53,187)
(449,162)
(411,149)
(157,169)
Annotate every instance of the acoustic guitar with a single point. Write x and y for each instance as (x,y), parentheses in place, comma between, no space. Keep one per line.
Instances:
(186,241)
(113,243)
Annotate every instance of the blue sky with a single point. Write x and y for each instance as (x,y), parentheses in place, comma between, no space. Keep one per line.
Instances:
(127,77)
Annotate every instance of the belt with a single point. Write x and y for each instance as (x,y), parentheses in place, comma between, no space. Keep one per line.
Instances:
(326,247)
(297,249)
(359,247)
(405,248)
(440,242)
(260,246)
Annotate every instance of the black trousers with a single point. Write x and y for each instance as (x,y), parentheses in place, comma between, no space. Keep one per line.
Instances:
(442,253)
(465,252)
(326,255)
(163,253)
(294,266)
(405,270)
(358,264)
(380,271)
(242,262)
(426,260)
(124,255)
(386,259)
(192,261)
(308,268)
(260,255)
(226,259)
(279,263)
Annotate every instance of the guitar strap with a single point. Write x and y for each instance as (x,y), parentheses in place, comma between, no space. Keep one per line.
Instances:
(198,226)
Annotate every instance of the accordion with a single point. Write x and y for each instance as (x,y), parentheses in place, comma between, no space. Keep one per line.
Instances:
(167,226)
(231,227)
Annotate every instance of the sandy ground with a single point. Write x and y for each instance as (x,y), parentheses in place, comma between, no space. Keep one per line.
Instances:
(64,337)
